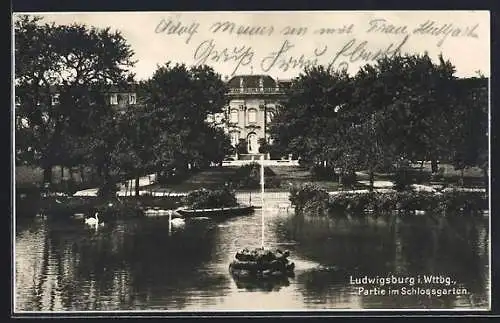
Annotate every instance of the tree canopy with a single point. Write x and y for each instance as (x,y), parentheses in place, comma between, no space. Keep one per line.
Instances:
(401,107)
(179,100)
(60,74)
(64,75)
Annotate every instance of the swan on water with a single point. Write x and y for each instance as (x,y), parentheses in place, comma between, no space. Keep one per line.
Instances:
(94,221)
(176,222)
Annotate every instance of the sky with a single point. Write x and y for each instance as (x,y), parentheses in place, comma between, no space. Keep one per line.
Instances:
(282,44)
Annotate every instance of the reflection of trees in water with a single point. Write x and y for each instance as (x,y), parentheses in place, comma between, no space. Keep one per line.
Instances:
(31,266)
(38,285)
(259,284)
(121,266)
(361,244)
(447,245)
(403,245)
(66,246)
(50,272)
(167,268)
(325,287)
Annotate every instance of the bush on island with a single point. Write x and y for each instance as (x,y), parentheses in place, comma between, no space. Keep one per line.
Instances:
(310,199)
(208,199)
(261,263)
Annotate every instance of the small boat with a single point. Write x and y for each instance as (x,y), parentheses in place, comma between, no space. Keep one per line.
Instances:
(216,212)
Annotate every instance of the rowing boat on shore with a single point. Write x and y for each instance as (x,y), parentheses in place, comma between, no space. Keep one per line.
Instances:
(216,212)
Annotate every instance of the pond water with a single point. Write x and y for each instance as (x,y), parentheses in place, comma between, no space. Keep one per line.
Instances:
(139,264)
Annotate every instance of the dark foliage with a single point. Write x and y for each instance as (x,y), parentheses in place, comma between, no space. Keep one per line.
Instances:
(207,199)
(248,177)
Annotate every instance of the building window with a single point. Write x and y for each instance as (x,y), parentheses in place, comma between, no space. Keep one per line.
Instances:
(234,116)
(252,142)
(269,116)
(55,99)
(235,137)
(132,99)
(252,116)
(113,99)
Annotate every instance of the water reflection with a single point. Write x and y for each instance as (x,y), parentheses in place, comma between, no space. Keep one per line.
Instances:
(266,285)
(404,245)
(138,264)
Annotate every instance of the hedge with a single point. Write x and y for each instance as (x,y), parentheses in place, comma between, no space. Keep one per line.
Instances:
(311,199)
(207,199)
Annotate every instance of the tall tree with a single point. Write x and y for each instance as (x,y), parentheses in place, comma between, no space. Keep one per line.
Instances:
(308,123)
(399,104)
(179,100)
(468,145)
(74,61)
(38,125)
(389,110)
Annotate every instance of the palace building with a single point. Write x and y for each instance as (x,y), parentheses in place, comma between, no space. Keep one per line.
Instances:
(253,100)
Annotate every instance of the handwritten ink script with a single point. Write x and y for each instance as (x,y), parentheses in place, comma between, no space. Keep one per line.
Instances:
(337,45)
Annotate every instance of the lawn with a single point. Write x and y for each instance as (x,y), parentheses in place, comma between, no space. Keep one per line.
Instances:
(217,177)
(296,175)
(210,179)
(472,177)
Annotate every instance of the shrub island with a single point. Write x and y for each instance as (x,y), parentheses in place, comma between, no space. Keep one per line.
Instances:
(220,203)
(210,199)
(261,263)
(312,200)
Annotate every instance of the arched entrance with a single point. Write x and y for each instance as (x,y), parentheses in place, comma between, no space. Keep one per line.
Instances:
(253,144)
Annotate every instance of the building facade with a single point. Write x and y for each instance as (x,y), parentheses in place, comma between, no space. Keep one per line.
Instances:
(253,100)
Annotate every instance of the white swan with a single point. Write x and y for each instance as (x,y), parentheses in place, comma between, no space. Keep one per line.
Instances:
(175,222)
(94,221)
